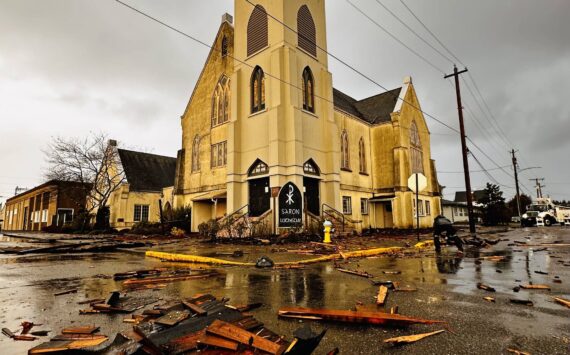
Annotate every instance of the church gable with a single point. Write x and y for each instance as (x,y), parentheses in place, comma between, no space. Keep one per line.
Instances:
(374,110)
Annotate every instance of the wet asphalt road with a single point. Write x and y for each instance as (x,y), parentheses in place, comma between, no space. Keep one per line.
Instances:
(446,291)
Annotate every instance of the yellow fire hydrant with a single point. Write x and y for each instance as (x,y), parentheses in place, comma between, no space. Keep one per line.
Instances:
(328,228)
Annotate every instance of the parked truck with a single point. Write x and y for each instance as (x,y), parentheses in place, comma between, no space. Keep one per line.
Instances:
(543,212)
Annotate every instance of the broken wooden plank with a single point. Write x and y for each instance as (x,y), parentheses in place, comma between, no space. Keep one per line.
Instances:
(485,287)
(232,332)
(366,317)
(535,287)
(194,308)
(65,292)
(63,346)
(80,330)
(411,338)
(355,272)
(562,301)
(10,334)
(172,318)
(517,352)
(68,337)
(162,280)
(382,294)
(489,299)
(523,302)
(218,342)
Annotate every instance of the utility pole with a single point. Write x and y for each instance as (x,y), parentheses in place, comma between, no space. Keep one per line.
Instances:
(515,168)
(464,150)
(538,186)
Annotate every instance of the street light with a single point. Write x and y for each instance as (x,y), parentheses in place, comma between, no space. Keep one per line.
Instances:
(532,167)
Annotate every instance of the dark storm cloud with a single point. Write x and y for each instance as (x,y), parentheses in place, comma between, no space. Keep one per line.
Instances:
(74,66)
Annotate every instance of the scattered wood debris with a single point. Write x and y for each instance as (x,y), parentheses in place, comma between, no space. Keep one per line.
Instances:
(411,338)
(366,317)
(10,334)
(562,301)
(535,287)
(66,292)
(489,299)
(394,272)
(517,352)
(484,287)
(523,302)
(80,330)
(355,272)
(382,294)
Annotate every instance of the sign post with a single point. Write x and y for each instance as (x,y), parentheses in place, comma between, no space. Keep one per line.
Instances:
(417,182)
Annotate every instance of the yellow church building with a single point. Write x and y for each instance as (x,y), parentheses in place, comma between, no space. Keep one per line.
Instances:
(265,131)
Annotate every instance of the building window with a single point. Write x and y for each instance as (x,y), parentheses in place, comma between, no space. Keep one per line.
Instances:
(258,168)
(362,156)
(221,102)
(257,90)
(345,163)
(346,204)
(416,156)
(224,46)
(196,154)
(428,208)
(308,90)
(364,206)
(219,154)
(44,216)
(257,30)
(141,213)
(306,30)
(311,168)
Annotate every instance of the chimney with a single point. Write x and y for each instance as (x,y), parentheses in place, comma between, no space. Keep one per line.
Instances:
(227,18)
(112,143)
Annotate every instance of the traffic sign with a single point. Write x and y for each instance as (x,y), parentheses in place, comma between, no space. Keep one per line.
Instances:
(422,182)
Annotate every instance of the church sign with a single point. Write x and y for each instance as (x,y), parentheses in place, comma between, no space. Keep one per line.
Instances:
(290,207)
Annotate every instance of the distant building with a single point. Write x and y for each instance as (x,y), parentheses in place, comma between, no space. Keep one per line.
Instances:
(461,196)
(2,210)
(53,203)
(137,200)
(455,211)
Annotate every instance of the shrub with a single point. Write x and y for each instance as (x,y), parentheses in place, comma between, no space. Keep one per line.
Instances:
(177,232)
(146,228)
(209,229)
(180,217)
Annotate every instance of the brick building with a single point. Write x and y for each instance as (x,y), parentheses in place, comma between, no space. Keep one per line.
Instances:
(52,203)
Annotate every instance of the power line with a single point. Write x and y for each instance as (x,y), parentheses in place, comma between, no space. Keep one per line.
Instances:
(394,37)
(414,32)
(473,171)
(432,34)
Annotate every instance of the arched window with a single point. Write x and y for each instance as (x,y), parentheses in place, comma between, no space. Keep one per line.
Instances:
(257,30)
(196,154)
(311,168)
(306,30)
(258,168)
(308,90)
(345,163)
(221,102)
(362,155)
(257,90)
(224,46)
(416,155)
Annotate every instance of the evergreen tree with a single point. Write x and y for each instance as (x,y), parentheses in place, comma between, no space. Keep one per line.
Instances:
(495,210)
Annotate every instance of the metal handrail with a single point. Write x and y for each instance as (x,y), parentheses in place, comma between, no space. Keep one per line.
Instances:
(332,214)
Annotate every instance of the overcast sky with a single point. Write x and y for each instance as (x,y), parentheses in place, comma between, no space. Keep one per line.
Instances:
(70,67)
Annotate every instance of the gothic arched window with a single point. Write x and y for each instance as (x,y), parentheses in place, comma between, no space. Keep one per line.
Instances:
(196,154)
(345,163)
(258,168)
(306,31)
(221,102)
(362,155)
(308,90)
(257,90)
(257,30)
(416,155)
(311,168)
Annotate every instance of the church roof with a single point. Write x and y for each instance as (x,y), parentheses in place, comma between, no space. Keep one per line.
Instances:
(374,110)
(147,172)
(461,196)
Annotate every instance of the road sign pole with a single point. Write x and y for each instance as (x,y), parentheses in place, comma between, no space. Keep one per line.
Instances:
(417,207)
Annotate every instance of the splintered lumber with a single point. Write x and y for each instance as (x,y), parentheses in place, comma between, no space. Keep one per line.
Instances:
(80,330)
(382,294)
(517,352)
(355,272)
(162,280)
(10,334)
(65,292)
(195,308)
(485,287)
(172,318)
(68,337)
(489,299)
(535,287)
(64,346)
(219,342)
(232,332)
(562,301)
(366,317)
(411,338)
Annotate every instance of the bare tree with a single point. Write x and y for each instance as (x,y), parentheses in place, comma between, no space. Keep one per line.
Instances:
(93,161)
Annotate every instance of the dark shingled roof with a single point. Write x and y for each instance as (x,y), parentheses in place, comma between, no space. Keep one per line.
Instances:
(374,110)
(147,172)
(461,196)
